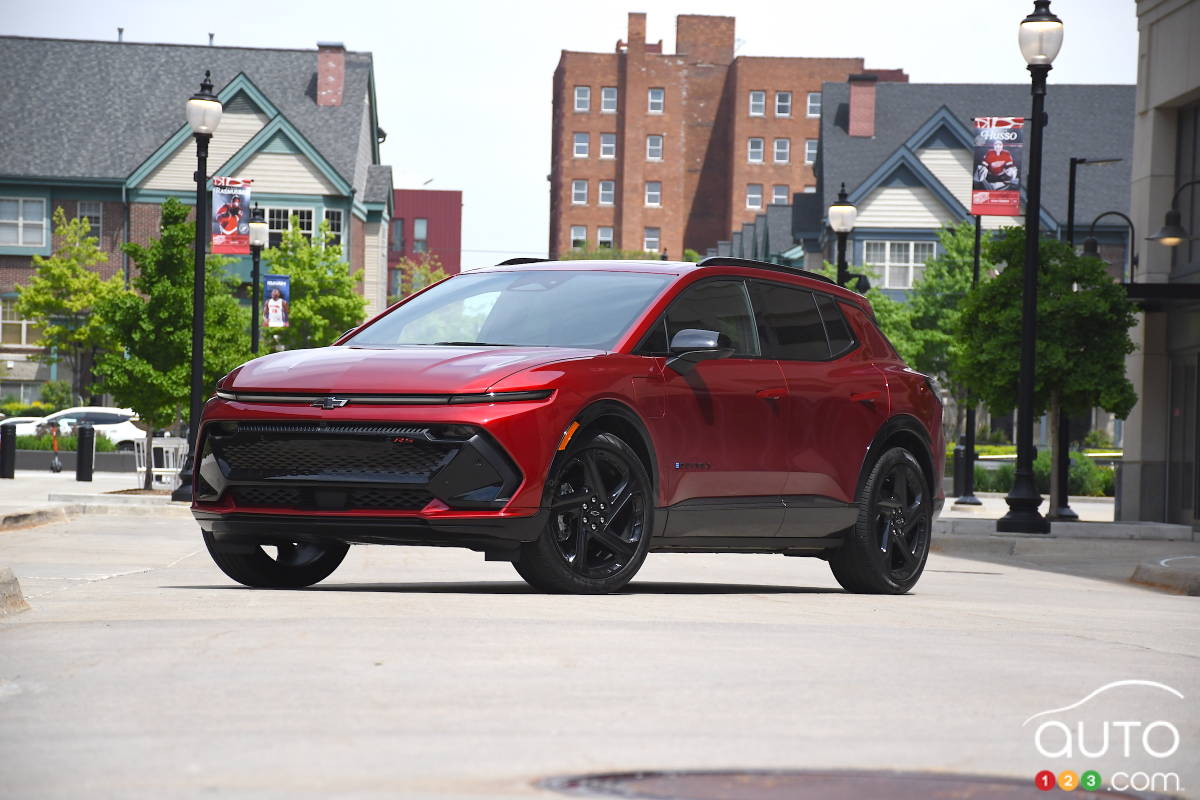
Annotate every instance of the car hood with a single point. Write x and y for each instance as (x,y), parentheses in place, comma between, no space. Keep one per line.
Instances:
(417,369)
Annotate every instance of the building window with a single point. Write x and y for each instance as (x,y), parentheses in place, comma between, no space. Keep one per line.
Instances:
(780,195)
(754,151)
(92,211)
(783,151)
(655,100)
(578,236)
(604,237)
(810,189)
(583,98)
(898,265)
(654,147)
(754,195)
(398,237)
(333,216)
(758,104)
(13,329)
(608,190)
(579,193)
(783,104)
(420,235)
(654,193)
(581,145)
(810,151)
(650,239)
(608,145)
(608,99)
(279,220)
(814,105)
(22,221)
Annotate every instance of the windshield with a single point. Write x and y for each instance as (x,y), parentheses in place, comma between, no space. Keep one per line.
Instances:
(551,308)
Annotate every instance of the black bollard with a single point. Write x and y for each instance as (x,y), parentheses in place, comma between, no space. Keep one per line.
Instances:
(960,468)
(8,451)
(85,452)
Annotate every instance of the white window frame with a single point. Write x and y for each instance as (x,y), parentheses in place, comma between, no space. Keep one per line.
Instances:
(583,99)
(897,256)
(783,104)
(650,137)
(603,241)
(9,319)
(812,105)
(607,193)
(330,215)
(752,150)
(305,213)
(420,243)
(579,192)
(754,190)
(582,237)
(656,103)
(608,145)
(811,146)
(781,194)
(607,94)
(757,103)
(784,155)
(654,194)
(96,220)
(23,222)
(581,144)
(651,239)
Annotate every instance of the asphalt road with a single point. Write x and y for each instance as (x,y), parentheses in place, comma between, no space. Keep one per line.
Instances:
(141,671)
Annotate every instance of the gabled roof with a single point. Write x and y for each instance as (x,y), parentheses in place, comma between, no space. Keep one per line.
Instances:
(97,110)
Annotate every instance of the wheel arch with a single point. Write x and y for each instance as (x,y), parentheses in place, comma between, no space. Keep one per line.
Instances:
(903,430)
(611,416)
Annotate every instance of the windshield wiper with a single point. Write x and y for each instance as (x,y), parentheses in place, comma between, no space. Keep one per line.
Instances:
(472,344)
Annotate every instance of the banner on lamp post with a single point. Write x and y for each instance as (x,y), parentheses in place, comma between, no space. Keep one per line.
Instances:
(996,170)
(277,306)
(231,215)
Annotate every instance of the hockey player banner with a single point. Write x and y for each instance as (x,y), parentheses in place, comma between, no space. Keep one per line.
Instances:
(277,306)
(231,215)
(996,172)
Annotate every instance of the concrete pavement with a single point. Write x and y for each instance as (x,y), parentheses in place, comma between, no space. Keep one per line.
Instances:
(141,671)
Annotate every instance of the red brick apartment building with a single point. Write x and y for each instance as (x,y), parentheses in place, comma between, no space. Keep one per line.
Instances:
(425,221)
(657,151)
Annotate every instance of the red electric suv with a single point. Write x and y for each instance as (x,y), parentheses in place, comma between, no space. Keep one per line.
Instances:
(570,417)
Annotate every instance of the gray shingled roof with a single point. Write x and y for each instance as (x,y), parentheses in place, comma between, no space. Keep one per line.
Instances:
(1084,120)
(779,229)
(379,184)
(86,109)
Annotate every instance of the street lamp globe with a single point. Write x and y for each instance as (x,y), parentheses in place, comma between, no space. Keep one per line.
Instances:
(1041,35)
(204,109)
(842,214)
(259,234)
(1172,233)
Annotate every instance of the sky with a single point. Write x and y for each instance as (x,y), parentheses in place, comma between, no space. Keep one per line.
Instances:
(464,87)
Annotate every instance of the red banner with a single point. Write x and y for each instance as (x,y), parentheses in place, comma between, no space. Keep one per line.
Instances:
(996,171)
(231,215)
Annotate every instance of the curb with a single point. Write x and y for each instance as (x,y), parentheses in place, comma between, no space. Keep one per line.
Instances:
(110,499)
(1159,575)
(26,518)
(12,601)
(1110,531)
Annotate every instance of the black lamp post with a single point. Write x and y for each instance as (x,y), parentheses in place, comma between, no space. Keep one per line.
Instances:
(1172,233)
(203,115)
(1040,38)
(842,215)
(1091,247)
(968,497)
(259,236)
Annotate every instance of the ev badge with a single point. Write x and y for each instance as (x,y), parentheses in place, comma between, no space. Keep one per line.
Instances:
(329,403)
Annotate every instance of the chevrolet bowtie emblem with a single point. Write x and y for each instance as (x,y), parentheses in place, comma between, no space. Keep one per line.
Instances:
(329,403)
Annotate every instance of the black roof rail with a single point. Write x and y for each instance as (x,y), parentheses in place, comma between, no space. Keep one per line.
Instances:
(729,261)
(521,260)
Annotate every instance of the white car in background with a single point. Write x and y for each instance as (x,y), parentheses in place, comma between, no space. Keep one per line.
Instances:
(115,424)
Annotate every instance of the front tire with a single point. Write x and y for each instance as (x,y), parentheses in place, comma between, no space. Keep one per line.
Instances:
(601,516)
(294,566)
(885,551)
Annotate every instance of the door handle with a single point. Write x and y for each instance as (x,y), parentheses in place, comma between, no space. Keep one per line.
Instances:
(774,393)
(868,398)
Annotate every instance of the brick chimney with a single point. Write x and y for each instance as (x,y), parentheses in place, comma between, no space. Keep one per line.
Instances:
(331,73)
(704,39)
(862,105)
(636,36)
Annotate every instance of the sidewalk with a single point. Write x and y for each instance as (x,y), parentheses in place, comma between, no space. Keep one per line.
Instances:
(34,497)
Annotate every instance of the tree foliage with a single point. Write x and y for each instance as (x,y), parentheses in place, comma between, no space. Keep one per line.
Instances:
(61,296)
(607,254)
(892,315)
(417,273)
(323,302)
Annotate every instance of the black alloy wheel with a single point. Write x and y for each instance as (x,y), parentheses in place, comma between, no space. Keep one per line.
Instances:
(287,565)
(600,520)
(885,551)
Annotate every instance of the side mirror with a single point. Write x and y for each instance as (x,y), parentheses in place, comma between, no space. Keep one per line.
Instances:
(690,346)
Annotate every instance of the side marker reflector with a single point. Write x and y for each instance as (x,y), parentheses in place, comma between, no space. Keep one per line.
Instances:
(566,439)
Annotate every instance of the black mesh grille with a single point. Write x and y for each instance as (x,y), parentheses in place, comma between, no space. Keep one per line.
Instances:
(267,496)
(307,498)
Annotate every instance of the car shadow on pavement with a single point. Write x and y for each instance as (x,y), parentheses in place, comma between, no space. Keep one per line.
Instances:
(517,587)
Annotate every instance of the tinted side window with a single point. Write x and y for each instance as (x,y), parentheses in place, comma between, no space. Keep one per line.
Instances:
(720,306)
(840,337)
(792,321)
(105,418)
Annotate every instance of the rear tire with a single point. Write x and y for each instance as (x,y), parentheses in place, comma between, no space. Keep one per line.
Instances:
(295,566)
(601,515)
(885,551)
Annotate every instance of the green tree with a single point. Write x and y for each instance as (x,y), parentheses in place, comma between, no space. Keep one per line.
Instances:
(61,296)
(607,254)
(1083,322)
(416,274)
(892,315)
(149,328)
(323,302)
